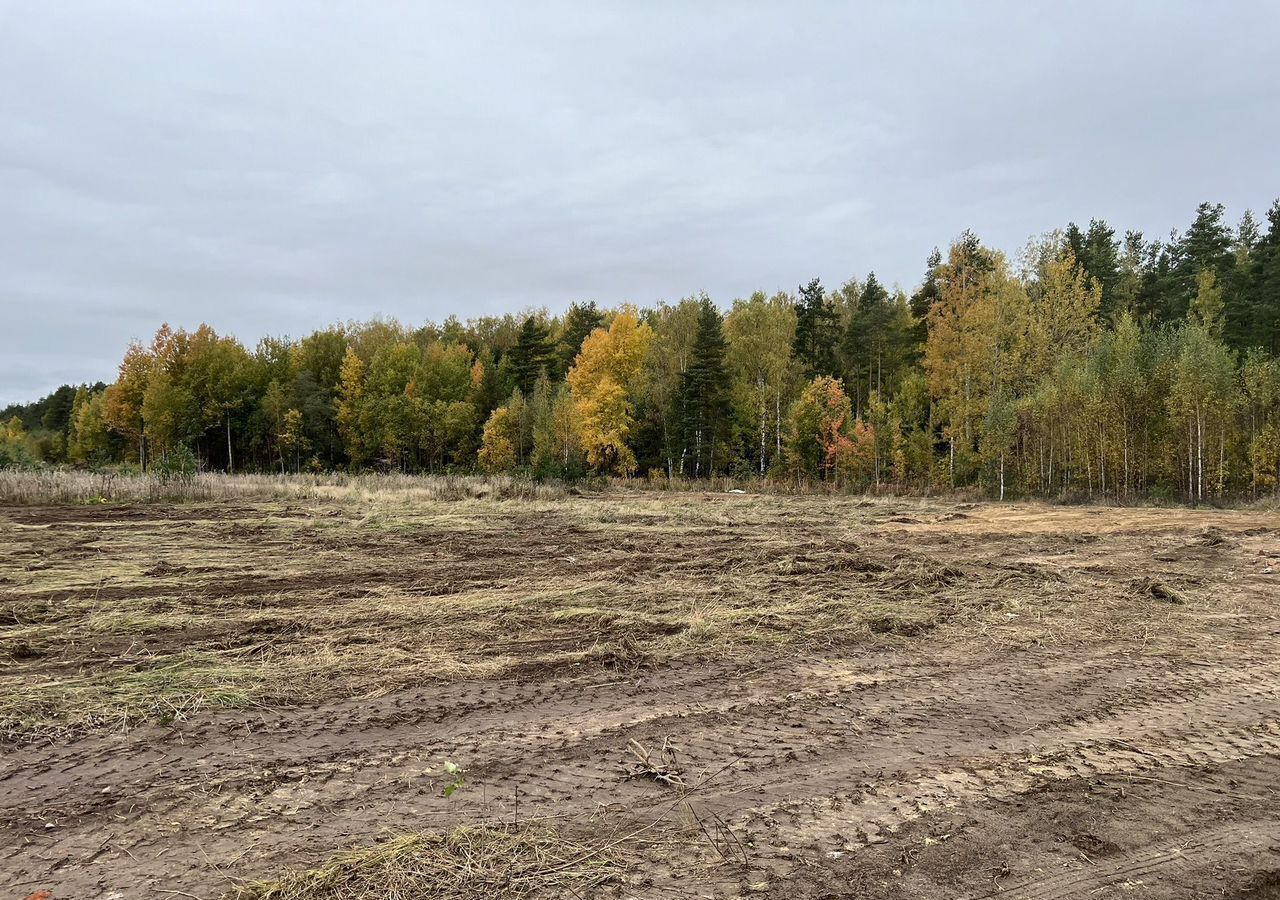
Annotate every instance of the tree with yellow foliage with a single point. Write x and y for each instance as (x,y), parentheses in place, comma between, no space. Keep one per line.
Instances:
(497,449)
(350,401)
(603,384)
(1063,313)
(123,406)
(975,353)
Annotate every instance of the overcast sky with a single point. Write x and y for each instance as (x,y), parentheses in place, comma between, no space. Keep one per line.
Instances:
(272,167)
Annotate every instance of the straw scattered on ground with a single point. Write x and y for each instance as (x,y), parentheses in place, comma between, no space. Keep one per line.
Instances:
(467,863)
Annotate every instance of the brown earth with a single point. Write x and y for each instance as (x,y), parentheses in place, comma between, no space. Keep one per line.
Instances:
(864,699)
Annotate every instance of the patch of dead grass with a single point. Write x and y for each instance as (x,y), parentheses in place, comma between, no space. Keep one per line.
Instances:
(466,863)
(163,691)
(185,608)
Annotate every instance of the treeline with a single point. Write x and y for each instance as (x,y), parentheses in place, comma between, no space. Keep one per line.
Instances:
(1090,365)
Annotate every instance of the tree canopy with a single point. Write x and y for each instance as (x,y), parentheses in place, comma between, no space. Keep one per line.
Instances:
(1089,364)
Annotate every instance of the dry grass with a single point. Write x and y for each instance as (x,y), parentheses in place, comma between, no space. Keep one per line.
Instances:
(467,863)
(58,486)
(111,616)
(172,688)
(52,486)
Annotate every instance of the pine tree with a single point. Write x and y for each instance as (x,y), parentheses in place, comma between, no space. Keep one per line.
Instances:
(1207,244)
(1129,281)
(1101,263)
(817,331)
(876,342)
(925,297)
(1206,247)
(579,322)
(532,355)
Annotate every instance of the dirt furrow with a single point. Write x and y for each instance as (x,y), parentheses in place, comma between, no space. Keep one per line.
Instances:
(1142,870)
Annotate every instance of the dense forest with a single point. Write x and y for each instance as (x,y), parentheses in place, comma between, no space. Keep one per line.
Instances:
(1087,365)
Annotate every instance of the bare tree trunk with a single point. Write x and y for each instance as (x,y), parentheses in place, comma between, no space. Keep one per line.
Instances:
(1191,461)
(1199,454)
(1051,449)
(764,426)
(1088,467)
(231,465)
(1124,415)
(777,425)
(1222,458)
(666,443)
(1102,460)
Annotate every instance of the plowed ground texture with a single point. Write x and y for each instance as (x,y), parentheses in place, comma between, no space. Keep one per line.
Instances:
(689,696)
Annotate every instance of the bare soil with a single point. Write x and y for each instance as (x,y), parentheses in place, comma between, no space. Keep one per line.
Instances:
(870,699)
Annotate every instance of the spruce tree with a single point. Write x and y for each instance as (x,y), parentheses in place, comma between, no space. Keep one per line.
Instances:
(1259,307)
(704,394)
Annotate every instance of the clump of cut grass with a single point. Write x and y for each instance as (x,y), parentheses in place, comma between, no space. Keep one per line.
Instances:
(625,654)
(466,863)
(1150,587)
(907,626)
(166,692)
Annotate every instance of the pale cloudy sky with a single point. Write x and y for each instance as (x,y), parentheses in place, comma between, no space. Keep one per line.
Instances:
(271,167)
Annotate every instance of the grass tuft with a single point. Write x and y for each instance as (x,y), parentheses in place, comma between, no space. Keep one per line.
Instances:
(467,863)
(164,692)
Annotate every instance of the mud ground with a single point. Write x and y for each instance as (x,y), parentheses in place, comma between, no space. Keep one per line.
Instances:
(1052,728)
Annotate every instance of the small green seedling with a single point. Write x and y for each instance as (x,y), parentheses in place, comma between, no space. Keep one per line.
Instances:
(459,778)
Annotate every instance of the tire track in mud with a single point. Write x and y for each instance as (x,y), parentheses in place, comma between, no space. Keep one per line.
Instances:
(912,738)
(884,808)
(547,766)
(1132,871)
(1235,721)
(563,714)
(330,762)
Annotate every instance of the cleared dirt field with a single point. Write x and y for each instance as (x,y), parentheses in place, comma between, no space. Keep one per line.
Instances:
(857,698)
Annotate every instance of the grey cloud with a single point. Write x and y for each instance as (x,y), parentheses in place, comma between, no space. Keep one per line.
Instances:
(270,168)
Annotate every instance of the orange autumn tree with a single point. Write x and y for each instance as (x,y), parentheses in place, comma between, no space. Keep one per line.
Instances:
(824,440)
(603,384)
